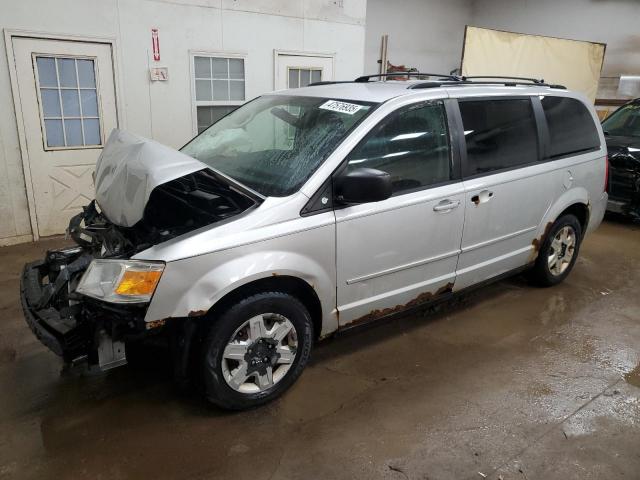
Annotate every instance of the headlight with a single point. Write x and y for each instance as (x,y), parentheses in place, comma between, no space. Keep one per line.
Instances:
(121,281)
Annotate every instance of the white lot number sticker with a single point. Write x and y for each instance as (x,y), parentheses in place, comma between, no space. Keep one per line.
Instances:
(341,107)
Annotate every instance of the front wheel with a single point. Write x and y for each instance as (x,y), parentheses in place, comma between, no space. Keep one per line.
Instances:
(558,253)
(255,350)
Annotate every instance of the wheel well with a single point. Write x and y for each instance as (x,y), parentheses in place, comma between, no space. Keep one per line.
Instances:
(581,212)
(279,283)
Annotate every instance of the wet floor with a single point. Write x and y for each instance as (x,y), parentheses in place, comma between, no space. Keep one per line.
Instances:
(514,383)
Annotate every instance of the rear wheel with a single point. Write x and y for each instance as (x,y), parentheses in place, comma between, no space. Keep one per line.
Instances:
(558,253)
(255,350)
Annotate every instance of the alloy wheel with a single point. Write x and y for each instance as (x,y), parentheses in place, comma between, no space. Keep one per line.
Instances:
(259,353)
(561,250)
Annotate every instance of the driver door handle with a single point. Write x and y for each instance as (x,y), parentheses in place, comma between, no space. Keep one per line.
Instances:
(446,205)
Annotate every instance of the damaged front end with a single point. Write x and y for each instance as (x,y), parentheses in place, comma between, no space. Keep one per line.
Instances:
(146,194)
(624,180)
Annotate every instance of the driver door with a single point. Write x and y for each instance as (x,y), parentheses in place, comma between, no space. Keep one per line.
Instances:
(403,250)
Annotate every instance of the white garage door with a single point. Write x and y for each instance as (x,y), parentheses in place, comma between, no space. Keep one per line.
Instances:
(67,99)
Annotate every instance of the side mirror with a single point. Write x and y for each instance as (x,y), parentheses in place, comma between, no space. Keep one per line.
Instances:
(363,185)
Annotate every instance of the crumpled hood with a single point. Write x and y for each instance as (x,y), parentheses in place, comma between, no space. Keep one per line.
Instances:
(128,170)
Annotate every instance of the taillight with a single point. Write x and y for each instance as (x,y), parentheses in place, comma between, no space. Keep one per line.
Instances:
(606,173)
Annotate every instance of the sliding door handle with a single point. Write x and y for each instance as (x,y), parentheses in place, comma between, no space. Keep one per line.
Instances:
(446,205)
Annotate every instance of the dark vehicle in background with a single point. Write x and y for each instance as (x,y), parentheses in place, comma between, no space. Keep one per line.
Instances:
(622,133)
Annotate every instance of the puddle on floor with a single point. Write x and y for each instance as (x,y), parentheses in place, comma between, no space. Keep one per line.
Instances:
(633,377)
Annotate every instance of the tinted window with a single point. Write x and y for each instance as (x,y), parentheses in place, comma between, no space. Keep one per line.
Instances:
(499,134)
(571,126)
(411,145)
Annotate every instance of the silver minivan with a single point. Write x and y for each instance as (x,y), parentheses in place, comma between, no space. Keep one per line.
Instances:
(305,212)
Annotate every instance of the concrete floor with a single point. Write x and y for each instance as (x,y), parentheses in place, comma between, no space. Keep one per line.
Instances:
(514,383)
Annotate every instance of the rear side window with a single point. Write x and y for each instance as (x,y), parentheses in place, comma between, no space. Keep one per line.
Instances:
(499,134)
(571,126)
(412,145)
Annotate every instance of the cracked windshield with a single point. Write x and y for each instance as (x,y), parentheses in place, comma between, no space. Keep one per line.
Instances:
(274,143)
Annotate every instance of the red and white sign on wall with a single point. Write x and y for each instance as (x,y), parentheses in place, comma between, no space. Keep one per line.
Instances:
(155,43)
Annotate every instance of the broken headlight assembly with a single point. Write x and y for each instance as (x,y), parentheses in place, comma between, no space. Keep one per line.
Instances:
(121,281)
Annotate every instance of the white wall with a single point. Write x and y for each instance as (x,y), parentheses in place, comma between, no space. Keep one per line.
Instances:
(163,110)
(614,22)
(426,34)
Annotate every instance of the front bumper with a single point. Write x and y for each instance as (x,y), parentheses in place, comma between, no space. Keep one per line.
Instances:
(57,330)
(73,326)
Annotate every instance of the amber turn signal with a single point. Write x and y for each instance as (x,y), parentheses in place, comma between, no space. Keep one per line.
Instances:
(138,282)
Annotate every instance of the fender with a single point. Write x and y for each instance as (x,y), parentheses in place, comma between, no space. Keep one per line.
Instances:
(190,287)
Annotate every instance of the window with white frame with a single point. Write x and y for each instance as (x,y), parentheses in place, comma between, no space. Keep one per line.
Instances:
(68,98)
(219,87)
(301,77)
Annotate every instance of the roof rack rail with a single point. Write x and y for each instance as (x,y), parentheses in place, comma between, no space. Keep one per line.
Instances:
(495,77)
(328,82)
(462,83)
(365,78)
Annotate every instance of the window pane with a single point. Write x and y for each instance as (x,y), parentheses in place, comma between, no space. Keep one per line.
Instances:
(316,76)
(86,74)
(67,72)
(220,68)
(70,103)
(571,127)
(204,116)
(50,103)
(73,131)
(202,67)
(89,103)
(411,145)
(293,78)
(55,137)
(203,90)
(47,72)
(499,134)
(209,115)
(221,90)
(91,131)
(305,77)
(237,90)
(236,68)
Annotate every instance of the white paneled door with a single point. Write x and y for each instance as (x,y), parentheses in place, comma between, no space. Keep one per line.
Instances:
(68,106)
(295,71)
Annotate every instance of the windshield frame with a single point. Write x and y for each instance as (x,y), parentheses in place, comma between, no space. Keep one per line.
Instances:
(373,106)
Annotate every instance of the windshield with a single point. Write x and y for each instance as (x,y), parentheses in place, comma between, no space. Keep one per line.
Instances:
(274,143)
(624,122)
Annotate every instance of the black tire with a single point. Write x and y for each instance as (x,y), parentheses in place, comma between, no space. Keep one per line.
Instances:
(541,274)
(221,330)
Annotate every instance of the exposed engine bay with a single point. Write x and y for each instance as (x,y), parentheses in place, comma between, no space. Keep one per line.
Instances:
(175,208)
(77,327)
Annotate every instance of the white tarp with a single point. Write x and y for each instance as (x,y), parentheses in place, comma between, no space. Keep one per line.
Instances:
(572,63)
(129,168)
